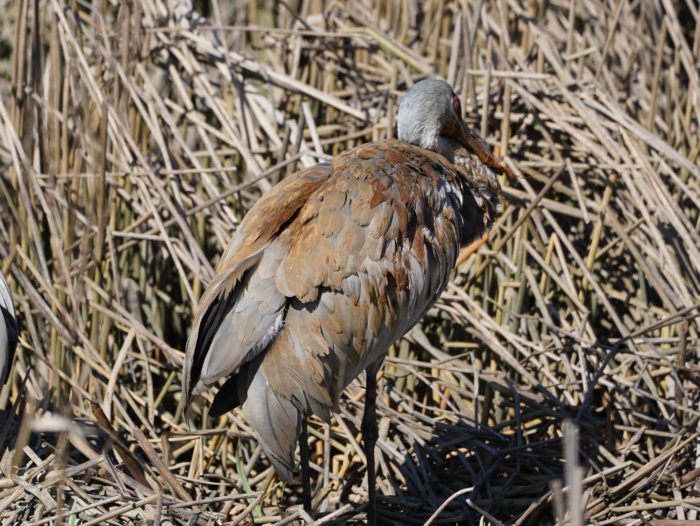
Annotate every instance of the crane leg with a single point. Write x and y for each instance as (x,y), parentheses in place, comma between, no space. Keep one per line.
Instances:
(305,466)
(369,436)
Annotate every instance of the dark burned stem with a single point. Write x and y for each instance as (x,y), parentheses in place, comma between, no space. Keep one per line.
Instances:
(369,436)
(305,469)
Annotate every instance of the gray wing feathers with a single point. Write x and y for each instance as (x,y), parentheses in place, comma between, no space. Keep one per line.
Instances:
(301,378)
(8,329)
(241,336)
(276,422)
(5,298)
(248,327)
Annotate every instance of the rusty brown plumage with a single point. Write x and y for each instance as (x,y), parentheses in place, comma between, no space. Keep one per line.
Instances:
(328,269)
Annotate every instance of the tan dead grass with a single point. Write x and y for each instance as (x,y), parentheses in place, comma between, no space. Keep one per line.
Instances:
(134,136)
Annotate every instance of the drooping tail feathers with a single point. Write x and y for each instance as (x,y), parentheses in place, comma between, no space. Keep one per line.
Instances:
(277,425)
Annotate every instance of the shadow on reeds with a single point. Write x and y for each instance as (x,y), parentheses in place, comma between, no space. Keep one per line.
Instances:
(510,467)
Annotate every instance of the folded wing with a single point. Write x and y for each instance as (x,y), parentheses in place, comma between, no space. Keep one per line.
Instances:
(240,312)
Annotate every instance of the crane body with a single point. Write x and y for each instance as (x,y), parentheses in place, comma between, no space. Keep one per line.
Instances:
(333,265)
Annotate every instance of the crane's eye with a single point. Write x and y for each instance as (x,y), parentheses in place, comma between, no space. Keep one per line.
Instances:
(456,105)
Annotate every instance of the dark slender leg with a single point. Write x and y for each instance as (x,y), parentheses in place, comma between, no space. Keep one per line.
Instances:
(369,437)
(305,469)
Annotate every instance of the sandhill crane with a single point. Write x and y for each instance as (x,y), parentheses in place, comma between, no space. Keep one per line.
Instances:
(8,330)
(332,266)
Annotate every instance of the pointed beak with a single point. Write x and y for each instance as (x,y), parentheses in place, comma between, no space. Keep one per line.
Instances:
(475,144)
